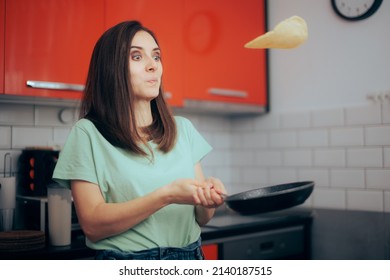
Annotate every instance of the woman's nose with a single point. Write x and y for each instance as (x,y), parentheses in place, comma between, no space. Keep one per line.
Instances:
(151,65)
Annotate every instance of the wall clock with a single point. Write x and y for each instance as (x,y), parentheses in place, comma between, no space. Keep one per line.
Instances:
(354,10)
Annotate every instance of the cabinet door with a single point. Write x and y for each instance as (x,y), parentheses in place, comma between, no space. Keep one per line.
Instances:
(165,20)
(2,22)
(210,251)
(50,41)
(217,66)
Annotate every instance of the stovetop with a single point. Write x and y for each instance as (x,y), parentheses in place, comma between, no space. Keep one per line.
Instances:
(228,221)
(231,219)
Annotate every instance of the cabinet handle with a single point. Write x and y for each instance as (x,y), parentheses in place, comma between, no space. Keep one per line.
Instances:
(228,92)
(55,85)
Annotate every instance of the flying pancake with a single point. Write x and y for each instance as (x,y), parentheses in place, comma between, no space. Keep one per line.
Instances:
(289,33)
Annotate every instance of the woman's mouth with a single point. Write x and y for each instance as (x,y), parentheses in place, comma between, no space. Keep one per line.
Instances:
(152,82)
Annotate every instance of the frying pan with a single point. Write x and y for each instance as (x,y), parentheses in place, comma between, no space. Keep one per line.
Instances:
(271,198)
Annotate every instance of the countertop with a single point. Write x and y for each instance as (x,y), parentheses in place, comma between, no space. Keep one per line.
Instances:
(231,224)
(224,224)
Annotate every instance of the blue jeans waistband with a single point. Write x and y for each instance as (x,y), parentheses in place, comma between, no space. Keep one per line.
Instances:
(192,251)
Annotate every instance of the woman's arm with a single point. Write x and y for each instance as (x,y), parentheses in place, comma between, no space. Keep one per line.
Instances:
(99,219)
(209,195)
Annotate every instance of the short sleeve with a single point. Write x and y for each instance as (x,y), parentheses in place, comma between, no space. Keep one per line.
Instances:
(199,147)
(76,160)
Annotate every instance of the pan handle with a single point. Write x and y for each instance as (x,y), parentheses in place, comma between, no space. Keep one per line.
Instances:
(223,195)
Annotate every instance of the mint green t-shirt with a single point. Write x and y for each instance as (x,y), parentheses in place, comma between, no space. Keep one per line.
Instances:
(122,176)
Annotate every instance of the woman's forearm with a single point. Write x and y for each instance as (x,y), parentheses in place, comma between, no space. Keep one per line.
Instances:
(203,215)
(100,220)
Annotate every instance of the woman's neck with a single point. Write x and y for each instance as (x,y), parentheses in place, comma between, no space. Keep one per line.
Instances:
(143,114)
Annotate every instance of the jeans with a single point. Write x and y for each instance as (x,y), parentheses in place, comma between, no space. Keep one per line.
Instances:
(191,252)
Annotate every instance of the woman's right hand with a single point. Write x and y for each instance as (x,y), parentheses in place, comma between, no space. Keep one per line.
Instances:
(184,191)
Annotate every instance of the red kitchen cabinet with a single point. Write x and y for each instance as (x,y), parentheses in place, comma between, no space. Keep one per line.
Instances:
(50,41)
(2,22)
(165,20)
(217,67)
(210,251)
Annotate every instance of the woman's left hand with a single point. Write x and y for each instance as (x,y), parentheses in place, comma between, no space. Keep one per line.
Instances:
(211,194)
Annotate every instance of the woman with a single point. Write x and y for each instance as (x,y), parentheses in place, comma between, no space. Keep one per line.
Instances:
(133,168)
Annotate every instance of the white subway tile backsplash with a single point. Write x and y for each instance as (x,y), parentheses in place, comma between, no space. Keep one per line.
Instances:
(23,137)
(283,139)
(300,157)
(11,114)
(386,113)
(387,157)
(345,151)
(242,124)
(253,140)
(295,120)
(242,158)
(223,173)
(347,178)
(236,141)
(254,176)
(330,158)
(217,158)
(222,140)
(369,114)
(328,117)
(267,122)
(378,178)
(377,135)
(282,175)
(329,198)
(50,116)
(365,200)
(209,137)
(313,138)
(320,176)
(60,135)
(347,136)
(216,124)
(387,201)
(236,176)
(5,137)
(195,119)
(364,157)
(268,158)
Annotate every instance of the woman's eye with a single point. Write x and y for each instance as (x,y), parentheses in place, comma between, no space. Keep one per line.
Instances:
(136,57)
(157,57)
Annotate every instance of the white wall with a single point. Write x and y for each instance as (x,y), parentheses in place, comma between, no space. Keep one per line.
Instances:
(321,126)
(339,64)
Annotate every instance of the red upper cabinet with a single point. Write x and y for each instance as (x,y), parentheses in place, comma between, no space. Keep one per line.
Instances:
(2,22)
(165,19)
(217,67)
(50,41)
(202,45)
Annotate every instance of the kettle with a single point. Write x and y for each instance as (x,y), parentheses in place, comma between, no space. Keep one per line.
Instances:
(7,197)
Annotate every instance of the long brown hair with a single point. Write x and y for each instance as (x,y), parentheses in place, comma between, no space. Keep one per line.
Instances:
(108,95)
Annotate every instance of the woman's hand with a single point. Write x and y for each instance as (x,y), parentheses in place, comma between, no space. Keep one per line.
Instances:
(211,196)
(211,193)
(208,193)
(184,191)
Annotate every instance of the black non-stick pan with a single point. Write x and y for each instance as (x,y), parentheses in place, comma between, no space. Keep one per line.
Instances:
(271,198)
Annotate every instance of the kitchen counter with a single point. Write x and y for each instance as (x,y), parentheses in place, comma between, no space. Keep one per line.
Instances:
(350,235)
(225,228)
